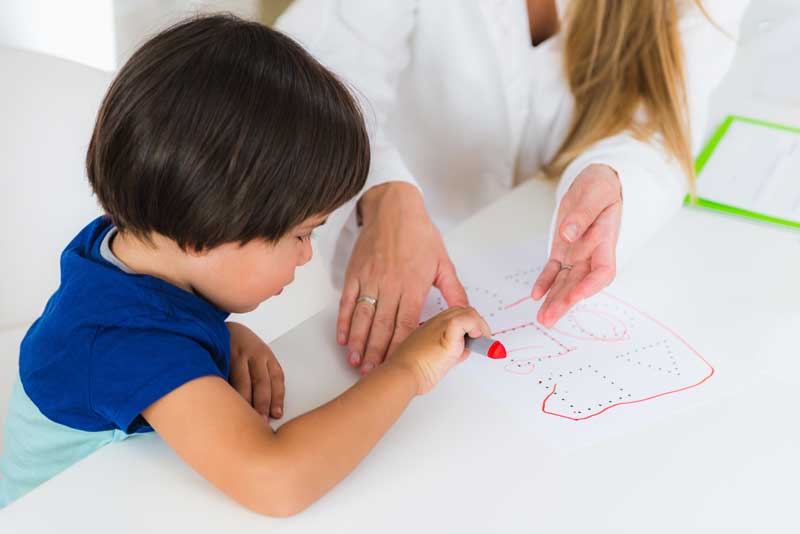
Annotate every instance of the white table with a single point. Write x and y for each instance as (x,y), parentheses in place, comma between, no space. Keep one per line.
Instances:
(456,463)
(728,285)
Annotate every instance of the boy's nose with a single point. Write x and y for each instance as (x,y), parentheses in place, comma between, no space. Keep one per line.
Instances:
(306,255)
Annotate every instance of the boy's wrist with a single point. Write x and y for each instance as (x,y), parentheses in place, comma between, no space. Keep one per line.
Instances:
(405,375)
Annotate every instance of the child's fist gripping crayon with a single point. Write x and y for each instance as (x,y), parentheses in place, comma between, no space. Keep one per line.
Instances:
(436,346)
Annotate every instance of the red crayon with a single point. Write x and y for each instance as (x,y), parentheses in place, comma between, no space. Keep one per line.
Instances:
(486,346)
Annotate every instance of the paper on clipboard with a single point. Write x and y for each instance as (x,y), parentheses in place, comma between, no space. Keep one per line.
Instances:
(752,168)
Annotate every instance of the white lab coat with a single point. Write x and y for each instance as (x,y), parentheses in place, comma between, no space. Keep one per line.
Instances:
(461,104)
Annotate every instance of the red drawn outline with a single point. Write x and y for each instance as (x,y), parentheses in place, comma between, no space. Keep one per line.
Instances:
(518,302)
(684,388)
(525,348)
(506,368)
(542,331)
(588,336)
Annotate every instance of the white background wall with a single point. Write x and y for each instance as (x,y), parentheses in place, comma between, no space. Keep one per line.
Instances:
(81,31)
(99,33)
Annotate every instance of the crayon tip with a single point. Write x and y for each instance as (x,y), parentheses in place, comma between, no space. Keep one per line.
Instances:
(497,351)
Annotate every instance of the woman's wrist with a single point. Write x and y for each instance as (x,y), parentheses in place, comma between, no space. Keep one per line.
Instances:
(374,200)
(609,173)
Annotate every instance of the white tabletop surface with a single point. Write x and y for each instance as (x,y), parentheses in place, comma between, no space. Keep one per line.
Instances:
(457,463)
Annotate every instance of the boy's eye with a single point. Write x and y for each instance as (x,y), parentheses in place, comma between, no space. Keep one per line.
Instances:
(305,237)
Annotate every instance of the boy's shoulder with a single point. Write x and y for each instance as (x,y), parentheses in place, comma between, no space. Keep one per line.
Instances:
(107,335)
(96,286)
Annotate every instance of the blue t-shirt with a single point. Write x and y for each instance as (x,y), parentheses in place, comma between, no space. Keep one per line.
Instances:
(108,344)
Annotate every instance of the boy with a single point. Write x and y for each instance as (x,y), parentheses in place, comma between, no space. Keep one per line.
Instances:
(220,145)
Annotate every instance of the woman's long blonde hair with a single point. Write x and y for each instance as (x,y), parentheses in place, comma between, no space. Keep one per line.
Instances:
(620,56)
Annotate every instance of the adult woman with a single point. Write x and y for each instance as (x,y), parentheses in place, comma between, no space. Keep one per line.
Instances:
(465,106)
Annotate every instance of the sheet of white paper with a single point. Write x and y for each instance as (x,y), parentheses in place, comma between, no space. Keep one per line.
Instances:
(755,168)
(605,367)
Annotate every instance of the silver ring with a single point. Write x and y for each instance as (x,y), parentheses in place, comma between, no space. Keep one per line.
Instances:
(368,300)
(566,266)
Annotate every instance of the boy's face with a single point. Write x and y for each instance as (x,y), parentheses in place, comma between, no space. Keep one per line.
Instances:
(237,278)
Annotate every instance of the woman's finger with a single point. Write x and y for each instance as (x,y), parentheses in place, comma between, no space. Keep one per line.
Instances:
(559,300)
(598,247)
(558,252)
(598,279)
(546,278)
(347,304)
(360,325)
(566,298)
(449,285)
(603,271)
(380,333)
(558,281)
(408,313)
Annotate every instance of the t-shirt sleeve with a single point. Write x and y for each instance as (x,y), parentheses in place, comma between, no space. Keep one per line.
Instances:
(131,369)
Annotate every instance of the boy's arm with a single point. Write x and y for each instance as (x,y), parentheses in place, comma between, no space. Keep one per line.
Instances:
(278,473)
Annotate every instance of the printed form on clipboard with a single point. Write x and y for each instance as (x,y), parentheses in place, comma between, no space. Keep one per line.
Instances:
(752,168)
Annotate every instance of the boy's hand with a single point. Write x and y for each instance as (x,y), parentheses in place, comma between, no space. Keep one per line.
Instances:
(255,371)
(436,346)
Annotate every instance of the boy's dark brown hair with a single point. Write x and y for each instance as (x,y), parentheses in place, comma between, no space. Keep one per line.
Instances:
(221,130)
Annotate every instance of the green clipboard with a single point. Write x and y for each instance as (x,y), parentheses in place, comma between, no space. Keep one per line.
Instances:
(705,155)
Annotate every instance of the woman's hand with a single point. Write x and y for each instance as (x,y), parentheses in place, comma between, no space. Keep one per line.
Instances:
(255,372)
(398,256)
(583,257)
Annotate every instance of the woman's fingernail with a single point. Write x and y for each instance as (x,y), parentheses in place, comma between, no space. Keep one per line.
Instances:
(367,367)
(266,419)
(340,338)
(278,412)
(571,232)
(355,358)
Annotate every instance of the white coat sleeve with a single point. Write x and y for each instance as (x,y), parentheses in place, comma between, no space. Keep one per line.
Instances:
(653,183)
(366,44)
